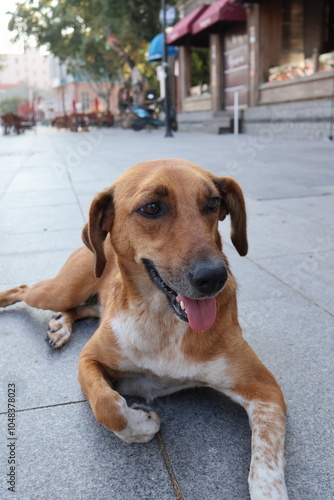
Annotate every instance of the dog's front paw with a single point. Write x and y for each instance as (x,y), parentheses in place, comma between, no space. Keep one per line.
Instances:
(142,425)
(60,330)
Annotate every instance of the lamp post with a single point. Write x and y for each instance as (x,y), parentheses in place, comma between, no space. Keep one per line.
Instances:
(166,70)
(331,136)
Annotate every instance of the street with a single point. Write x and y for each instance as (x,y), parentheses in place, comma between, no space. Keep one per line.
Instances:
(286,308)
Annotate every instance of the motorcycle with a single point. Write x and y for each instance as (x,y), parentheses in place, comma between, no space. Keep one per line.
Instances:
(152,115)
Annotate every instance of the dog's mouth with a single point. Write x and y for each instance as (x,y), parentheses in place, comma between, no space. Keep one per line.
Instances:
(199,313)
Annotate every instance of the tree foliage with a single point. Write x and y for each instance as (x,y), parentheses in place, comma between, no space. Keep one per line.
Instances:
(10,104)
(99,38)
(199,66)
(2,62)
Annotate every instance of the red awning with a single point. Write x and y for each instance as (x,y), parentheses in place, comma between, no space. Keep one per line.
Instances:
(223,10)
(184,26)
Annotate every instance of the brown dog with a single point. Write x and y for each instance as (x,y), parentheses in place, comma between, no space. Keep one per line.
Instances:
(168,307)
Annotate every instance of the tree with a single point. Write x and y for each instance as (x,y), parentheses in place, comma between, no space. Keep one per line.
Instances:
(60,28)
(99,38)
(10,104)
(2,62)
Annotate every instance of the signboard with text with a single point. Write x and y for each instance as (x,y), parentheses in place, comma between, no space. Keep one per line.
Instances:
(236,67)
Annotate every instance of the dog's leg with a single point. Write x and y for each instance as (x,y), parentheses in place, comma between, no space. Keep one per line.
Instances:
(9,297)
(109,407)
(60,326)
(72,286)
(267,421)
(266,477)
(256,389)
(51,294)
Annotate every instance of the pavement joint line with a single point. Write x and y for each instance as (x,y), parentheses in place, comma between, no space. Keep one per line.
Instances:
(295,197)
(291,287)
(46,205)
(283,282)
(311,253)
(47,406)
(169,466)
(79,228)
(25,155)
(281,256)
(159,438)
(39,252)
(71,182)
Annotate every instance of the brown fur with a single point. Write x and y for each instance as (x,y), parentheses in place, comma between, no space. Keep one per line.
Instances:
(117,238)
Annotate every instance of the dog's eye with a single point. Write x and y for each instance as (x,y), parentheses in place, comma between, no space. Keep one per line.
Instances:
(151,209)
(213,205)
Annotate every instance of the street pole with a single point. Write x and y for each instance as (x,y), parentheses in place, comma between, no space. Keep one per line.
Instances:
(165,66)
(331,137)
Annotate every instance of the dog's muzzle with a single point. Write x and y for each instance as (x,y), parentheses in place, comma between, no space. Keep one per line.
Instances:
(192,298)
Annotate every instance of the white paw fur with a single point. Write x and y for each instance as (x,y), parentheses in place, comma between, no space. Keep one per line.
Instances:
(142,425)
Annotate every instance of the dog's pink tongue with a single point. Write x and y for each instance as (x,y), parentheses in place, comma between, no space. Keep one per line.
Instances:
(201,312)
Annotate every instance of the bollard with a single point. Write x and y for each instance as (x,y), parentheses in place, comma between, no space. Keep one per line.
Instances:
(236,112)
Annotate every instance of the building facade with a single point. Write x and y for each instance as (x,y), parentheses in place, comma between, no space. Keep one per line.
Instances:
(275,56)
(73,95)
(31,67)
(28,76)
(47,88)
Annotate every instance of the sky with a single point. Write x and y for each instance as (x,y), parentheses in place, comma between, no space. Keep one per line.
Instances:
(6,47)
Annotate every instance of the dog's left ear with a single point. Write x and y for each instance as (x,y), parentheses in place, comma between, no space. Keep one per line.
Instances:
(233,203)
(101,217)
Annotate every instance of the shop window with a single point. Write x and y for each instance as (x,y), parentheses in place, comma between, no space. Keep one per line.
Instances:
(329,27)
(293,32)
(307,39)
(85,101)
(199,71)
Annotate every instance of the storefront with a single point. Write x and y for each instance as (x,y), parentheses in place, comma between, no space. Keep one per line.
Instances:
(213,57)
(277,54)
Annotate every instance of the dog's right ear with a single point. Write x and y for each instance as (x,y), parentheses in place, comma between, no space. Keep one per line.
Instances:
(101,217)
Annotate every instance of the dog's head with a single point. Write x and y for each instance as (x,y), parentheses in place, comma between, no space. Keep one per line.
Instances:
(162,215)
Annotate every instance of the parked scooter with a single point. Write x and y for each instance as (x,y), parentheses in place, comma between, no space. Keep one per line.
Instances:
(152,115)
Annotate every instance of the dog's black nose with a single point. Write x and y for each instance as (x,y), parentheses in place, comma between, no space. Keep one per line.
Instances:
(208,277)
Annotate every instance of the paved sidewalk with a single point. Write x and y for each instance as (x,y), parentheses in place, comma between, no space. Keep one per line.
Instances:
(286,303)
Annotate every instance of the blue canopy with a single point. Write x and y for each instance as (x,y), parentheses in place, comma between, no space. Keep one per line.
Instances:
(155,51)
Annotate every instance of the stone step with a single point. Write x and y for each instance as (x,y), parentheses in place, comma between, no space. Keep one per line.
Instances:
(223,125)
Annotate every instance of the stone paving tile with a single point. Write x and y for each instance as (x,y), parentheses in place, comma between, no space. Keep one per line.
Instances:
(273,233)
(43,218)
(92,188)
(39,158)
(43,375)
(63,454)
(281,169)
(22,243)
(49,197)
(32,267)
(282,332)
(254,283)
(8,173)
(38,179)
(207,436)
(207,426)
(312,274)
(318,209)
(208,440)
(85,201)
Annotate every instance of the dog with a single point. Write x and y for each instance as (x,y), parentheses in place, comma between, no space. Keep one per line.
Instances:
(167,301)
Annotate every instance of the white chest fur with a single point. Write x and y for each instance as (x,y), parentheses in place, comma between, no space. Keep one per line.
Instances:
(151,341)
(148,344)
